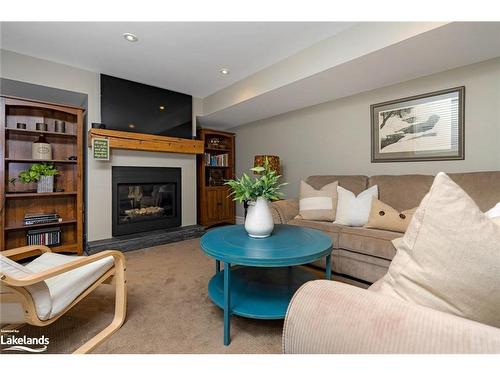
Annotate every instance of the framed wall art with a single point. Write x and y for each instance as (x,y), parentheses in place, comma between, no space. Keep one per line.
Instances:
(419,128)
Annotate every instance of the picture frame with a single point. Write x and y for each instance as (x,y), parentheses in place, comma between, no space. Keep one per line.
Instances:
(427,127)
(100,149)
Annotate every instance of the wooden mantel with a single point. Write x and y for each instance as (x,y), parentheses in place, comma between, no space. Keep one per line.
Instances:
(147,142)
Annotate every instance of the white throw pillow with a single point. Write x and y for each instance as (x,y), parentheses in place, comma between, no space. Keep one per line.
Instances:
(494,212)
(449,257)
(354,211)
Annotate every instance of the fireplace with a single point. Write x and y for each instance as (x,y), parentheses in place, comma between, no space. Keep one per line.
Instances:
(145,199)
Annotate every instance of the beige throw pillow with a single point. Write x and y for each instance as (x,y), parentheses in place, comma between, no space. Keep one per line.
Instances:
(318,204)
(383,216)
(449,257)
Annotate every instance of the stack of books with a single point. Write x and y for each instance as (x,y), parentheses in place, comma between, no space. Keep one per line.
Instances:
(45,236)
(221,160)
(32,219)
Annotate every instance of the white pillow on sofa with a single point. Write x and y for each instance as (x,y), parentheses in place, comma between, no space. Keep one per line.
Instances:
(494,211)
(354,210)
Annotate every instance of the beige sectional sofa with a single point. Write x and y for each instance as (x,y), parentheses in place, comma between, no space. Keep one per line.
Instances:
(365,254)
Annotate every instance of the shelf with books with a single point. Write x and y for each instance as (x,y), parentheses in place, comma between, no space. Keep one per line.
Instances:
(215,166)
(219,160)
(21,226)
(24,122)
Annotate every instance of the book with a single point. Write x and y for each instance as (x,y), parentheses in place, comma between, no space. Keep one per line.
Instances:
(45,236)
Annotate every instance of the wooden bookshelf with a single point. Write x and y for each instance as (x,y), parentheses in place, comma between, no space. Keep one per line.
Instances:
(214,205)
(15,155)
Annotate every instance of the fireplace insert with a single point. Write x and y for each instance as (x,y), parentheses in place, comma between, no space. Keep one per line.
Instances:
(145,199)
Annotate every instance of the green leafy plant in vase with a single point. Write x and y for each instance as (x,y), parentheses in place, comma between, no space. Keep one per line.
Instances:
(41,173)
(258,192)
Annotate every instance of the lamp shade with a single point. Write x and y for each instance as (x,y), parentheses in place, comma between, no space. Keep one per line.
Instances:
(274,162)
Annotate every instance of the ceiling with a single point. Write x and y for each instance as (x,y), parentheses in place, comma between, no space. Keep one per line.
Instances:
(180,56)
(434,50)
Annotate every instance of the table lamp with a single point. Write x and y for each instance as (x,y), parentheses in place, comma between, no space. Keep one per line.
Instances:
(274,162)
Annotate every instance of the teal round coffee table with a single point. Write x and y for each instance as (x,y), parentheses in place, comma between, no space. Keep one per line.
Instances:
(258,279)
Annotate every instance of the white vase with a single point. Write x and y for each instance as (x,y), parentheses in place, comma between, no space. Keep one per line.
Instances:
(45,184)
(259,221)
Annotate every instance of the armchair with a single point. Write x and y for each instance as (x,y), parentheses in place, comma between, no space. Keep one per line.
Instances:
(43,290)
(332,317)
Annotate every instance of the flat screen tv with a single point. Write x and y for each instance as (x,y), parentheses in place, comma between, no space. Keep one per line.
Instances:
(135,107)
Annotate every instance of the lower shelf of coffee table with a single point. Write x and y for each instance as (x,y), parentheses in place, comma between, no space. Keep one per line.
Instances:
(259,293)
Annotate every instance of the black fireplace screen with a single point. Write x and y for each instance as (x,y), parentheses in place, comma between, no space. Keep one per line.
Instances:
(145,199)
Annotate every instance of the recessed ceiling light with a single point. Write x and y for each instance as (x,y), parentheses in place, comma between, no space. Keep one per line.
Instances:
(130,37)
(162,108)
(224,71)
(131,126)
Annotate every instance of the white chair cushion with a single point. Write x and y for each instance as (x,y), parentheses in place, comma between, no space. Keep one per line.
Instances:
(66,287)
(12,312)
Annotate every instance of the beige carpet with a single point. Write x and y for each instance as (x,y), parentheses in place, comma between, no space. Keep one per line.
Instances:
(168,311)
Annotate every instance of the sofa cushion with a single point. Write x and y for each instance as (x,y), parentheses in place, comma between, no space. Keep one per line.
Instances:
(365,268)
(482,187)
(494,211)
(359,266)
(330,229)
(383,216)
(402,192)
(66,287)
(318,204)
(374,242)
(449,258)
(354,183)
(354,210)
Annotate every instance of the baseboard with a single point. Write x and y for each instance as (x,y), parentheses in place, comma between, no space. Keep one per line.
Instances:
(240,220)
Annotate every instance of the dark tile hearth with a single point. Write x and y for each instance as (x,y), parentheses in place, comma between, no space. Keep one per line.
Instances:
(146,239)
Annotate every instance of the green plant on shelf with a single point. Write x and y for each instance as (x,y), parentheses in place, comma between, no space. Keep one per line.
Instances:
(267,186)
(35,172)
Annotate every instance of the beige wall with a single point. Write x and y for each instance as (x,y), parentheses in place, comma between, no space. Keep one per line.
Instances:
(47,73)
(334,137)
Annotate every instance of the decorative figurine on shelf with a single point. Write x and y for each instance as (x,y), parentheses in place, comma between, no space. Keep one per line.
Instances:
(258,192)
(41,150)
(59,126)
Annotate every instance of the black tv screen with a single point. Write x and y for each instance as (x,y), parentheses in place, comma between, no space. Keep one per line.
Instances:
(134,107)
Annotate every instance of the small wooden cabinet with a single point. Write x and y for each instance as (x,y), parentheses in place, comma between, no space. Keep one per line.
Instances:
(215,166)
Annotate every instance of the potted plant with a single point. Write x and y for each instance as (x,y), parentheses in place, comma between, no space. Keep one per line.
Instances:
(257,192)
(41,173)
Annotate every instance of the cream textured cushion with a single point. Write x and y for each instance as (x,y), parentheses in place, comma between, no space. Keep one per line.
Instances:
(12,312)
(383,216)
(56,293)
(66,287)
(449,257)
(318,204)
(352,210)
